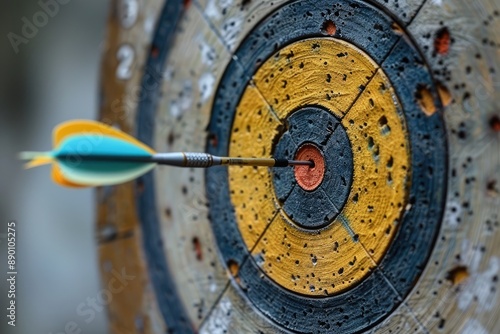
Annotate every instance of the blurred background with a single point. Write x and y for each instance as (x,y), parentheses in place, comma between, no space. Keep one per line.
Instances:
(51,77)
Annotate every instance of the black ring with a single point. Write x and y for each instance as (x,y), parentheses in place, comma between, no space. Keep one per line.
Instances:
(318,208)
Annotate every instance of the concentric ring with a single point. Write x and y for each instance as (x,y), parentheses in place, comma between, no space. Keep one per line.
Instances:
(321,243)
(309,177)
(387,270)
(314,208)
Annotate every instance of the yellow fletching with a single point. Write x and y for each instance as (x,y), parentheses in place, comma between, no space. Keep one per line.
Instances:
(36,158)
(59,178)
(38,162)
(79,127)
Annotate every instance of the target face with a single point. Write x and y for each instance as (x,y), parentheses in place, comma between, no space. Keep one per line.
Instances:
(354,244)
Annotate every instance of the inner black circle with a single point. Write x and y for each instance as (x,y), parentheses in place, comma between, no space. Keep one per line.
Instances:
(317,208)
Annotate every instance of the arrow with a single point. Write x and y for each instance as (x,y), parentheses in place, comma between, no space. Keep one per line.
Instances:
(89,154)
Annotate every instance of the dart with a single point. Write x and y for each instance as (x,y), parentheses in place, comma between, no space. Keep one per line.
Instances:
(89,153)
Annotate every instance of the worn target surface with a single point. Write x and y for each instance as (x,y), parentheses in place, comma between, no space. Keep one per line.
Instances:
(392,230)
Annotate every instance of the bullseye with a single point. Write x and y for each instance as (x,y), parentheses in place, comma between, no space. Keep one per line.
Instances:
(309,178)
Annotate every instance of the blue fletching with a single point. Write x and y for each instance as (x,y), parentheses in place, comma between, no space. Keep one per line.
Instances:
(73,158)
(99,145)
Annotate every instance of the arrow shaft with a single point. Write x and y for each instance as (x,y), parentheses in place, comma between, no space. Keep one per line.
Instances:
(205,160)
(186,159)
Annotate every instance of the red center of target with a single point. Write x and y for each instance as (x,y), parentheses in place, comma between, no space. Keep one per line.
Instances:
(309,178)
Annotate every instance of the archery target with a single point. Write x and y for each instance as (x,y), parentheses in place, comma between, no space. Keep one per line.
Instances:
(346,248)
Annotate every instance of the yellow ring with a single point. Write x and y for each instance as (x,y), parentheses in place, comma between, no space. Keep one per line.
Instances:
(340,77)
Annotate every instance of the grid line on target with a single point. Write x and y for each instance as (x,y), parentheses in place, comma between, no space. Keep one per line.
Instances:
(227,285)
